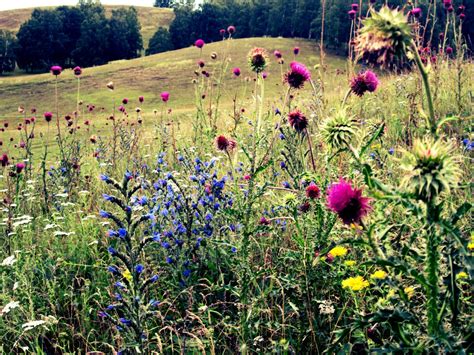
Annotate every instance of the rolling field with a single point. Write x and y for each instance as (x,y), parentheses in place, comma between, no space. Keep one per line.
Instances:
(149,76)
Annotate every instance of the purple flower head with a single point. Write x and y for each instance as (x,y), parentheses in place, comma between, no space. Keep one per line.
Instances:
(297,120)
(347,202)
(355,7)
(296,50)
(56,70)
(20,167)
(222,32)
(277,54)
(363,82)
(77,71)
(297,75)
(236,71)
(416,12)
(199,43)
(165,96)
(48,116)
(352,14)
(231,29)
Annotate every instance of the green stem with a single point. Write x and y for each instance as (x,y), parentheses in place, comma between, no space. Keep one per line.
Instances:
(432,266)
(426,83)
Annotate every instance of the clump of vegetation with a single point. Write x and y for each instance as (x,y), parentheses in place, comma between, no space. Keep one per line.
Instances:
(309,223)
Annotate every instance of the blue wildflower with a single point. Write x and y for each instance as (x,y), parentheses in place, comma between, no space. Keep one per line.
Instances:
(139,268)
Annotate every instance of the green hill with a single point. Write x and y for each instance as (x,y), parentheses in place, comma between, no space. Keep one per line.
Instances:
(148,76)
(150,18)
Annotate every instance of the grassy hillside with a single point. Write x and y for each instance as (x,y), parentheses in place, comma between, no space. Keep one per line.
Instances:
(148,76)
(150,18)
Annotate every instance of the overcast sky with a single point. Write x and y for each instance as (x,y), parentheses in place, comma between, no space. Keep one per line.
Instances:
(16,4)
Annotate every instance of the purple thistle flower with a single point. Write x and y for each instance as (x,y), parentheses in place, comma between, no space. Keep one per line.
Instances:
(352,14)
(236,71)
(347,202)
(363,82)
(296,50)
(199,43)
(56,70)
(77,71)
(416,12)
(297,120)
(297,75)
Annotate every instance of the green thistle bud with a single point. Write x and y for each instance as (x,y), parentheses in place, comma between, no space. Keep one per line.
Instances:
(432,167)
(384,37)
(290,200)
(339,130)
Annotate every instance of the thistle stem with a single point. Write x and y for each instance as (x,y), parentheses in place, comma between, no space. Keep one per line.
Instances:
(426,83)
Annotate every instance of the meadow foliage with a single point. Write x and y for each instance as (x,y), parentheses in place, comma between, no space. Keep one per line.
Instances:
(308,223)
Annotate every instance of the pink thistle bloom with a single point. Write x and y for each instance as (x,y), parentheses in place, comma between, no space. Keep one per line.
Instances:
(363,82)
(22,144)
(347,202)
(20,167)
(236,71)
(225,144)
(48,116)
(4,160)
(199,43)
(165,96)
(247,177)
(355,7)
(77,71)
(297,120)
(264,75)
(296,50)
(312,191)
(277,54)
(231,29)
(141,99)
(125,101)
(56,70)
(297,75)
(352,14)
(416,12)
(222,32)
(449,50)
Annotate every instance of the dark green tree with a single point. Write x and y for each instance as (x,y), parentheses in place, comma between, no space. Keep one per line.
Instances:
(7,54)
(92,46)
(160,42)
(164,3)
(41,41)
(125,39)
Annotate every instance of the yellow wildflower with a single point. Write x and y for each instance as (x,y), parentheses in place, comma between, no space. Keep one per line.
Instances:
(338,251)
(355,283)
(391,294)
(349,263)
(462,275)
(379,275)
(470,246)
(127,275)
(410,291)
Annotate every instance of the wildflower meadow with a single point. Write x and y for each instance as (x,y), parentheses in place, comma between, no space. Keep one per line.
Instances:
(289,206)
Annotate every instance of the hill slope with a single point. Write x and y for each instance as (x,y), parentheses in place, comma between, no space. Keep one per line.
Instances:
(171,71)
(150,18)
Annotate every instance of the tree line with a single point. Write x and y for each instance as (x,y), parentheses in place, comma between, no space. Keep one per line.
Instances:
(70,36)
(285,18)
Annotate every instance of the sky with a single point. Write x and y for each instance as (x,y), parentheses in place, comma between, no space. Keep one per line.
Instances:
(16,4)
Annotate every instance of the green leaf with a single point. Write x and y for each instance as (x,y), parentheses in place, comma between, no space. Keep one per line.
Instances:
(461,211)
(376,134)
(445,120)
